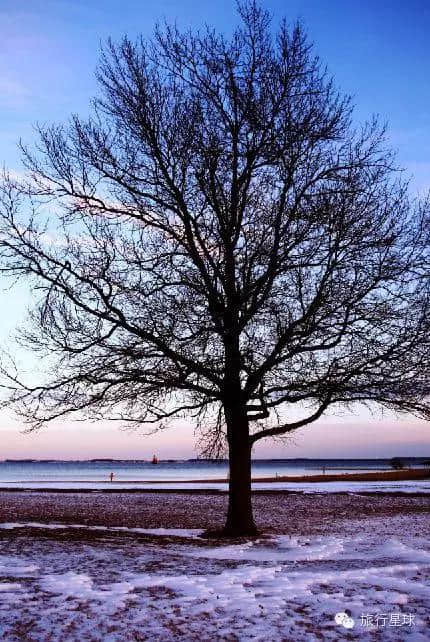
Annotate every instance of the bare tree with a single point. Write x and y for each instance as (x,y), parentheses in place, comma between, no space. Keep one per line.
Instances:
(218,242)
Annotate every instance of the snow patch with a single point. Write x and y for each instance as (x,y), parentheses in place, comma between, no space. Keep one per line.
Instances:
(111,597)
(279,548)
(270,588)
(412,486)
(191,533)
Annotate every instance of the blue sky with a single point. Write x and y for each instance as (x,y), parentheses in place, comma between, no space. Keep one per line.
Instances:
(377,51)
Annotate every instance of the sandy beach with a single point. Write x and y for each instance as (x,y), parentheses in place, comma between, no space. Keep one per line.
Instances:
(381,475)
(291,513)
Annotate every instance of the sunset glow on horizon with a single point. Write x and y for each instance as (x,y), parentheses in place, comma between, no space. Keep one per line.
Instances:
(49,54)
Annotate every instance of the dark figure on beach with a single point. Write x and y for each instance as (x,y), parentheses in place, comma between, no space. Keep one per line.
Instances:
(111,476)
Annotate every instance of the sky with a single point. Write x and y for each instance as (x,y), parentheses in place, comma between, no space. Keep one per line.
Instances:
(377,52)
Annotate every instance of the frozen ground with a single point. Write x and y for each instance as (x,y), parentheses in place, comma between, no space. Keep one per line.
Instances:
(59,583)
(414,486)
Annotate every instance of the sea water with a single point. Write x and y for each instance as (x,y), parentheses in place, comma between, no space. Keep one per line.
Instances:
(16,471)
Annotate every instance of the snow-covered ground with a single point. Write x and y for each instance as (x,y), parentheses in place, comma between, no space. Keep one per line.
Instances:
(114,585)
(414,486)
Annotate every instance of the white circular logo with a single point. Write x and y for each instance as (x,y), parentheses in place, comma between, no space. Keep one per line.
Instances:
(343,618)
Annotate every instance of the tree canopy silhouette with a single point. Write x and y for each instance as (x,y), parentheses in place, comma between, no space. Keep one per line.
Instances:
(218,241)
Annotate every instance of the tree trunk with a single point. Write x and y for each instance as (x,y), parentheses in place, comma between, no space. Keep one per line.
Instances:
(240,520)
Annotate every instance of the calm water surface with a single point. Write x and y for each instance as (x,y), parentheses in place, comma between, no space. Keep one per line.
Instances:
(178,470)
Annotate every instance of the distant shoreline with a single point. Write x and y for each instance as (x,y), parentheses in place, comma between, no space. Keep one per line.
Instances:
(409,474)
(412,460)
